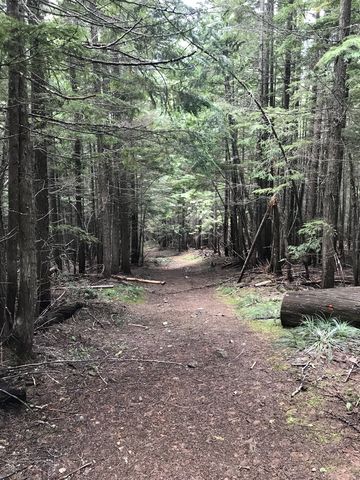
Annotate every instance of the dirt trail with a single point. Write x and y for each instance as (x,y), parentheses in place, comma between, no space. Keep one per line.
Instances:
(222,416)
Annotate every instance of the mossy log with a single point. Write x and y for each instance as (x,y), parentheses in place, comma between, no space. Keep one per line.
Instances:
(340,303)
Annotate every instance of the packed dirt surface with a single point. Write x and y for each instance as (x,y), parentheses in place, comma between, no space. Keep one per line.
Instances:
(182,390)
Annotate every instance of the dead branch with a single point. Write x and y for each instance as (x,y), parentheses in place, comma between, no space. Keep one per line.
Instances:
(354,364)
(111,285)
(139,280)
(91,360)
(75,471)
(301,387)
(9,475)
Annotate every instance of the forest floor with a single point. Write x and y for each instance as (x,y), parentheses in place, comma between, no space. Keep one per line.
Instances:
(182,388)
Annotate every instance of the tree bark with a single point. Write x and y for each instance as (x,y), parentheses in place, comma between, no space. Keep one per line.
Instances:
(135,246)
(115,217)
(22,225)
(336,153)
(355,223)
(341,303)
(125,223)
(41,181)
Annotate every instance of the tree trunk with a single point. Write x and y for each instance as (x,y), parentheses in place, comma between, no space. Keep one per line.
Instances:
(55,220)
(115,217)
(264,241)
(125,223)
(355,222)
(77,151)
(275,263)
(41,181)
(22,224)
(135,244)
(15,134)
(336,153)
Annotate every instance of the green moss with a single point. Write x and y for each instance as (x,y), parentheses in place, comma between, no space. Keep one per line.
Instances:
(124,293)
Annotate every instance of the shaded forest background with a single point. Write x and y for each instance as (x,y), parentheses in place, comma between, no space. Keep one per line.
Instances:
(126,122)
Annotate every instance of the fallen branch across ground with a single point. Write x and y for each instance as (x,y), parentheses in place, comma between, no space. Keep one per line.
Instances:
(91,360)
(301,387)
(111,285)
(9,475)
(139,280)
(344,420)
(75,471)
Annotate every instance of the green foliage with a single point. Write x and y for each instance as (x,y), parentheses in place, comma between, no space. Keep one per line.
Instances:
(349,49)
(78,232)
(123,293)
(312,233)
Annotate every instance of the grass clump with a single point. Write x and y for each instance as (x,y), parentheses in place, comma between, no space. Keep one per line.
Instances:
(262,311)
(124,293)
(159,261)
(192,257)
(320,337)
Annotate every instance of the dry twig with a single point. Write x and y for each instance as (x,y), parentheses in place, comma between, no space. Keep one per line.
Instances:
(75,471)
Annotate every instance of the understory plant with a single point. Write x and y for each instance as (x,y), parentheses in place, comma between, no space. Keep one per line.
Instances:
(320,337)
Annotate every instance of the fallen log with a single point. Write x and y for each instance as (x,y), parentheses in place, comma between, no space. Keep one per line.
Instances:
(264,283)
(140,280)
(58,315)
(110,285)
(341,303)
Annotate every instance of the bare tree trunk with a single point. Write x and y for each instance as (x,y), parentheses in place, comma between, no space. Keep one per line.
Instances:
(41,181)
(15,86)
(3,320)
(264,241)
(105,208)
(125,223)
(226,218)
(3,323)
(55,220)
(22,225)
(336,153)
(115,230)
(275,263)
(313,176)
(77,151)
(135,245)
(356,223)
